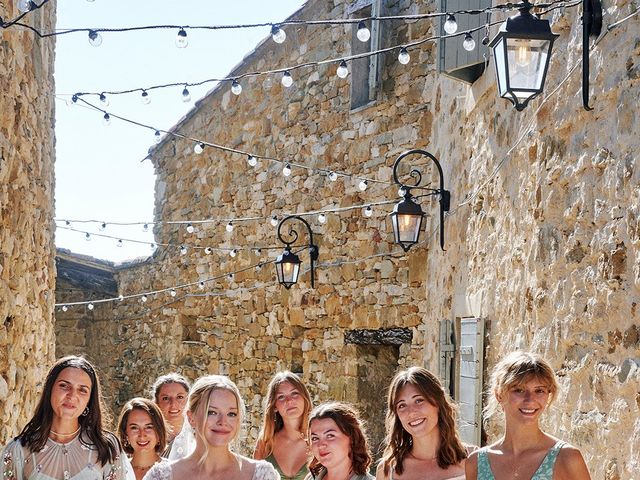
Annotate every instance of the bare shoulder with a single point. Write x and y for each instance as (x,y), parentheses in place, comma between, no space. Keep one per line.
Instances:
(570,465)
(471,465)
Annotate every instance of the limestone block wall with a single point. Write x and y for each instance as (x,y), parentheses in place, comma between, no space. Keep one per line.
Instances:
(27,270)
(542,241)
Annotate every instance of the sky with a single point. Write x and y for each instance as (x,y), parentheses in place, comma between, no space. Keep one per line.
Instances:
(100,172)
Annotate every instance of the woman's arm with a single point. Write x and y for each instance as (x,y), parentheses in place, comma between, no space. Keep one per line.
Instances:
(471,466)
(570,465)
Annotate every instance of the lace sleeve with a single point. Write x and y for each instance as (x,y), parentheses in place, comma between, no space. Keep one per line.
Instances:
(12,461)
(160,471)
(265,471)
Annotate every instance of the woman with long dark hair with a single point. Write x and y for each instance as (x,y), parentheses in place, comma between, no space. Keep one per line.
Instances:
(282,439)
(65,438)
(422,441)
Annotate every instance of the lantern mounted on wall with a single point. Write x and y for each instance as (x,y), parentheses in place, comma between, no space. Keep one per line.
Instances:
(522,50)
(407,215)
(288,263)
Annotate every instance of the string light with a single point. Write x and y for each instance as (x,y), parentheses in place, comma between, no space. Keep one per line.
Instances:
(342,70)
(252,161)
(106,119)
(229,227)
(201,285)
(233,252)
(24,5)
(278,34)
(87,237)
(198,148)
(208,250)
(274,221)
(145,98)
(120,298)
(258,252)
(145,227)
(95,39)
(368,211)
(450,25)
(363,185)
(286,171)
(181,39)
(144,299)
(287,79)
(236,88)
(190,228)
(322,218)
(363,32)
(468,43)
(186,96)
(173,292)
(103,226)
(403,56)
(333,176)
(183,250)
(157,137)
(64,308)
(90,306)
(104,100)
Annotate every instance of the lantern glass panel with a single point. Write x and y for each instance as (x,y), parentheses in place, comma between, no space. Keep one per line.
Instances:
(501,67)
(408,227)
(527,59)
(290,272)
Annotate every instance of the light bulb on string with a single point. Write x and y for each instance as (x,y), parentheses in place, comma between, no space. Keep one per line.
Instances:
(173,292)
(145,227)
(274,221)
(287,79)
(363,32)
(106,119)
(286,171)
(67,223)
(24,5)
(258,252)
(144,299)
(183,250)
(402,192)
(322,218)
(450,25)
(333,176)
(230,276)
(145,98)
(236,88)
(186,96)
(102,227)
(201,285)
(120,298)
(363,185)
(90,306)
(190,228)
(181,39)
(277,34)
(403,56)
(208,250)
(157,137)
(258,267)
(152,246)
(64,308)
(342,70)
(468,43)
(368,211)
(252,161)
(229,227)
(119,243)
(104,100)
(87,237)
(95,39)
(198,148)
(233,253)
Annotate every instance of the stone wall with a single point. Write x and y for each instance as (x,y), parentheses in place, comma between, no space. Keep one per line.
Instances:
(543,241)
(27,270)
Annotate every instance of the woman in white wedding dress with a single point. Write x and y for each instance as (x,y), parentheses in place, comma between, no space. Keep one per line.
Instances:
(215,412)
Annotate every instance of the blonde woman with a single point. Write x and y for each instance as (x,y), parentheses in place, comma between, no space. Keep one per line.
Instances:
(523,384)
(215,411)
(282,438)
(422,441)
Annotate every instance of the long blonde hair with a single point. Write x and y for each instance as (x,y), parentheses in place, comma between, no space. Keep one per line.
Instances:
(198,404)
(272,422)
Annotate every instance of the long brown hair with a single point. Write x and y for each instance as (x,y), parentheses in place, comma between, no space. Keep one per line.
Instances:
(34,435)
(272,421)
(399,442)
(157,421)
(349,423)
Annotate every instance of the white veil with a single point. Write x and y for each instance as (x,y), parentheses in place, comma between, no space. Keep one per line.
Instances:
(184,443)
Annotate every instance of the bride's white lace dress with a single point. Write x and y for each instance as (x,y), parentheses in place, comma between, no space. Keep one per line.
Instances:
(162,471)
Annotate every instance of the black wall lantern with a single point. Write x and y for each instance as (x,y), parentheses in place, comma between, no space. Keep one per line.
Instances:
(288,263)
(522,50)
(407,215)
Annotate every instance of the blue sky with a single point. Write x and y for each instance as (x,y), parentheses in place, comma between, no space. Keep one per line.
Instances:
(99,172)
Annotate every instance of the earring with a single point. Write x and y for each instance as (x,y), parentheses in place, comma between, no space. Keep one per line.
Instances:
(85,412)
(126,442)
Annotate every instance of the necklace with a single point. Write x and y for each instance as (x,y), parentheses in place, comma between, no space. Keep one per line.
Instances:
(145,467)
(64,434)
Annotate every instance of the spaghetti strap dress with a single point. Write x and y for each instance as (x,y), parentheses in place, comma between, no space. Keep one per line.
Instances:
(544,471)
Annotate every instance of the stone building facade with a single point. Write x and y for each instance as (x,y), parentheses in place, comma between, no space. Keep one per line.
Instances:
(542,242)
(27,269)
